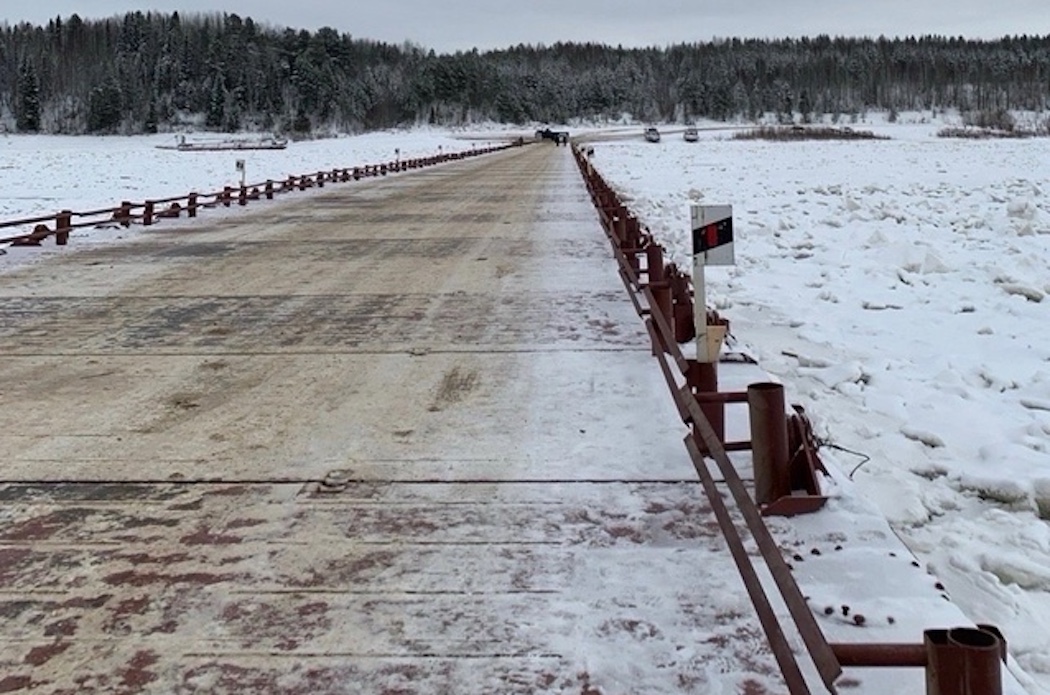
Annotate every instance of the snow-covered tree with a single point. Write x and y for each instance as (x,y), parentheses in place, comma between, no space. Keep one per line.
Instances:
(27,102)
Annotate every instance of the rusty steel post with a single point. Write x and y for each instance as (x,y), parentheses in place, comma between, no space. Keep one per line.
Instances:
(658,282)
(147,214)
(963,661)
(227,196)
(632,232)
(769,442)
(684,328)
(617,213)
(63,224)
(124,215)
(601,204)
(632,240)
(703,379)
(994,631)
(620,228)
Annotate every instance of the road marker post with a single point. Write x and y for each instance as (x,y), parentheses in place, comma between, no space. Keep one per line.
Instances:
(712,227)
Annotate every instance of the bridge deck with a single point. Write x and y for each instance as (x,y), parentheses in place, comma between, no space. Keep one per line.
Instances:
(510,510)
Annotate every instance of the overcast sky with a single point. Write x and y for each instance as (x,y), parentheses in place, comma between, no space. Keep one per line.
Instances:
(450,25)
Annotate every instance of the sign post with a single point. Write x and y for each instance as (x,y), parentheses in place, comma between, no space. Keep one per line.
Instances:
(240,168)
(712,245)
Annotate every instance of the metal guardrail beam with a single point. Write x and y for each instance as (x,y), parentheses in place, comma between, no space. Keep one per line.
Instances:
(660,330)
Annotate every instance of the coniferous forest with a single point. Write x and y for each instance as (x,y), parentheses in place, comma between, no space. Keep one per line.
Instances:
(145,72)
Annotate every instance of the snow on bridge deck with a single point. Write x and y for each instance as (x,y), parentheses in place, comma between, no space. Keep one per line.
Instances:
(518,513)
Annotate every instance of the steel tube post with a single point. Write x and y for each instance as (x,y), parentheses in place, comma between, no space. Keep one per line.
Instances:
(632,240)
(963,661)
(63,223)
(621,227)
(703,379)
(769,442)
(659,285)
(684,328)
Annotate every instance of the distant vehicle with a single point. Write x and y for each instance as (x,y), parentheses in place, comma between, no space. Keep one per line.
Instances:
(690,134)
(652,135)
(560,137)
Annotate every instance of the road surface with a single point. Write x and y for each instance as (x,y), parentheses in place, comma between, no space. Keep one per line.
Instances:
(396,436)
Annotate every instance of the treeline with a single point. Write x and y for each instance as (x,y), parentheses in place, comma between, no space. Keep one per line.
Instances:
(145,72)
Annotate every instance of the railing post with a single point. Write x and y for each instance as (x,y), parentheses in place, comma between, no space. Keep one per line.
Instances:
(632,240)
(63,225)
(242,196)
(703,378)
(963,661)
(620,228)
(320,179)
(124,215)
(769,442)
(227,196)
(147,214)
(684,327)
(658,284)
(191,203)
(269,189)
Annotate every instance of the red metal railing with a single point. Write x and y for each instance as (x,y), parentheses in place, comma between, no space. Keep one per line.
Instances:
(960,661)
(149,212)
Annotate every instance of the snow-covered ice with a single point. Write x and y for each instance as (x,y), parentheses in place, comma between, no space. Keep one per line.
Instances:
(898,289)
(41,175)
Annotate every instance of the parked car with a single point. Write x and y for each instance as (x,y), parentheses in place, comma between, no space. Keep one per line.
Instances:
(690,134)
(652,135)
